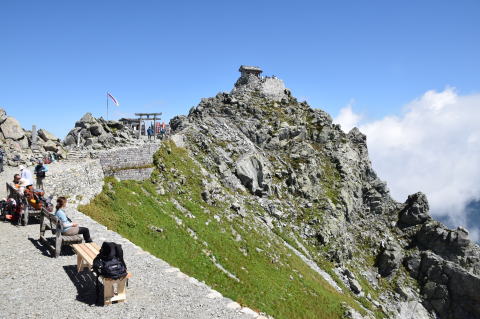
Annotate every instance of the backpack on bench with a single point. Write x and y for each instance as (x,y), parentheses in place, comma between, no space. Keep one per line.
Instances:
(109,262)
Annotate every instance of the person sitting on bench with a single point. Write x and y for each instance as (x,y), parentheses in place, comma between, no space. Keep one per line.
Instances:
(70,228)
(34,197)
(15,182)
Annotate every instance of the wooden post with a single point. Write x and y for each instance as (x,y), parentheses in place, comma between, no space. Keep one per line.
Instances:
(154,127)
(34,137)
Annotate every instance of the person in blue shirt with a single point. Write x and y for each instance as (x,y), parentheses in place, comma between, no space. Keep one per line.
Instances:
(40,171)
(150,133)
(70,228)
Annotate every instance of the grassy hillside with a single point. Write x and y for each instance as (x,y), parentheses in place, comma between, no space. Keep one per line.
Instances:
(238,256)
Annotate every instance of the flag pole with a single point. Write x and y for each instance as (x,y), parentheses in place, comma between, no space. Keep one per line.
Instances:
(107,105)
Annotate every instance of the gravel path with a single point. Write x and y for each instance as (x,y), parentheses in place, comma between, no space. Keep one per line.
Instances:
(35,285)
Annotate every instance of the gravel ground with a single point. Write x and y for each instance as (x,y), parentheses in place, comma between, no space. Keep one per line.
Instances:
(35,285)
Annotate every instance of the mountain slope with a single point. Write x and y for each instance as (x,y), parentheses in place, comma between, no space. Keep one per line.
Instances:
(260,189)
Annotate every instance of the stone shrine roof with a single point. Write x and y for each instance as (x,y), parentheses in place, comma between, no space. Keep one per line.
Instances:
(250,69)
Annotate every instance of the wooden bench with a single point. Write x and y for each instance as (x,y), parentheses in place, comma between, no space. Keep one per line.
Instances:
(49,221)
(27,210)
(86,253)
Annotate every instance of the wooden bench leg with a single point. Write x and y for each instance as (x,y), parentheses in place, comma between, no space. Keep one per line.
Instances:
(79,263)
(108,291)
(122,290)
(58,246)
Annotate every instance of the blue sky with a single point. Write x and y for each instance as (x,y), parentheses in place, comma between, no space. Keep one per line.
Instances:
(375,64)
(58,58)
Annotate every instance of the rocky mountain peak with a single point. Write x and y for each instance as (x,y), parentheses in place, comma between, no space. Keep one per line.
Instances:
(316,181)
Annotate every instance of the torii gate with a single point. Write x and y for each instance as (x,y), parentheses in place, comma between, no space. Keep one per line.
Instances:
(140,118)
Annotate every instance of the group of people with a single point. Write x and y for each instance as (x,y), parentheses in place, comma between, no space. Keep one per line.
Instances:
(23,185)
(161,133)
(40,172)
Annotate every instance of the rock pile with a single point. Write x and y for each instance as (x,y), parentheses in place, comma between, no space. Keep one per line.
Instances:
(97,133)
(316,181)
(21,147)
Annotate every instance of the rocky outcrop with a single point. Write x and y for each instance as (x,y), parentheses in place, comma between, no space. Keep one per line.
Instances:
(22,146)
(11,129)
(415,211)
(96,134)
(447,288)
(313,180)
(253,174)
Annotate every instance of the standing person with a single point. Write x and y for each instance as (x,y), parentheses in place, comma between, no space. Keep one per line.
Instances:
(70,228)
(25,173)
(2,155)
(150,133)
(40,172)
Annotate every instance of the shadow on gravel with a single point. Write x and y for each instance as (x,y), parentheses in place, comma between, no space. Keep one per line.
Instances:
(66,250)
(40,247)
(85,283)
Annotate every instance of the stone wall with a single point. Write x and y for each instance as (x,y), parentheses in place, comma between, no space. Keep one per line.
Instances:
(79,181)
(136,174)
(116,162)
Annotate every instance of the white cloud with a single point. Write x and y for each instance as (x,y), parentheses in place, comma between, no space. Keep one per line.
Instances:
(347,118)
(433,147)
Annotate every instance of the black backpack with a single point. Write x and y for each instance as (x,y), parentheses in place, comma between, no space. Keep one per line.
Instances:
(109,262)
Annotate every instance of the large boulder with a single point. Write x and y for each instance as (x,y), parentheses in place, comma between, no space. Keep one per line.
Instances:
(86,121)
(415,211)
(251,171)
(70,140)
(97,130)
(50,146)
(47,136)
(23,142)
(3,115)
(11,129)
(389,259)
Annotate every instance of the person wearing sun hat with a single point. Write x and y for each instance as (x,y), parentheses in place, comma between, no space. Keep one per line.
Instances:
(22,185)
(25,173)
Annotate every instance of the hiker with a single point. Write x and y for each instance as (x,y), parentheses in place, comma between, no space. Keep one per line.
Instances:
(34,197)
(15,182)
(2,155)
(150,133)
(25,173)
(40,172)
(70,228)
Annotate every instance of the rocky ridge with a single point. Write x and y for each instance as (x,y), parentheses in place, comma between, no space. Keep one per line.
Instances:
(18,144)
(92,133)
(316,186)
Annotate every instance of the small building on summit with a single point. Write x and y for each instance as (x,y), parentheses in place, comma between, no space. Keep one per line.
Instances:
(246,70)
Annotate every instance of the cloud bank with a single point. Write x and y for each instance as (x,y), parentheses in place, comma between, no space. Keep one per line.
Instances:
(433,147)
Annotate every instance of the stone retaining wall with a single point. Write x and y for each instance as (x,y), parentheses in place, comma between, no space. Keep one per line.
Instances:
(131,158)
(79,181)
(136,174)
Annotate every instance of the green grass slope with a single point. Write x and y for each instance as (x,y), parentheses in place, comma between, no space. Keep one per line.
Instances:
(235,255)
